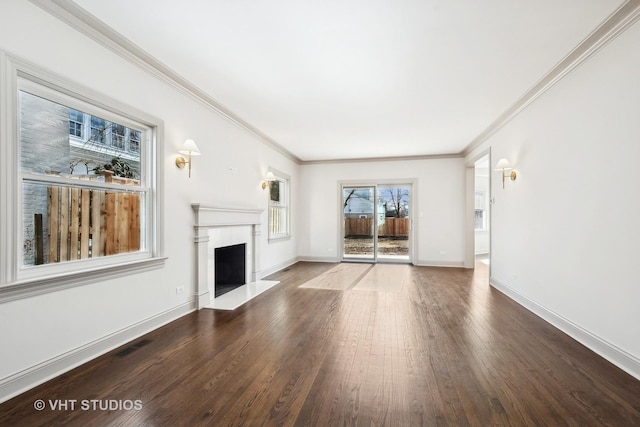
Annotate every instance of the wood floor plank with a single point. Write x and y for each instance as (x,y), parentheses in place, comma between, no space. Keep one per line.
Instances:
(443,349)
(341,277)
(384,278)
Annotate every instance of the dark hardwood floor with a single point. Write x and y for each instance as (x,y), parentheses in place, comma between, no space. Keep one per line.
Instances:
(448,350)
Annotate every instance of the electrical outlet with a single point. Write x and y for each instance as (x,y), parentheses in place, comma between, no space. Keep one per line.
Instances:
(179,290)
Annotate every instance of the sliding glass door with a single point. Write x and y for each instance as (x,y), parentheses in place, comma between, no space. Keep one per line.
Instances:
(394,224)
(359,207)
(376,223)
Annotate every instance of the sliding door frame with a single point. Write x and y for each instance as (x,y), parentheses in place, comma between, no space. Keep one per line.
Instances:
(413,226)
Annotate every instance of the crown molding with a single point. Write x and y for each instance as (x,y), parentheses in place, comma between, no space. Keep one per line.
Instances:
(79,19)
(619,21)
(383,159)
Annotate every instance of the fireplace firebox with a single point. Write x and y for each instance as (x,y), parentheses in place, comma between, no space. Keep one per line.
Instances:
(230,268)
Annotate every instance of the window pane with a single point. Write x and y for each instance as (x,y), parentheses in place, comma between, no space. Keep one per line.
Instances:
(64,223)
(98,130)
(275,192)
(46,147)
(278,221)
(117,136)
(480,223)
(76,118)
(480,202)
(67,222)
(134,141)
(279,208)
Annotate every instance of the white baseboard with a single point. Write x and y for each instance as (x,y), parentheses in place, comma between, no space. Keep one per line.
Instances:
(318,259)
(29,378)
(274,269)
(427,263)
(625,361)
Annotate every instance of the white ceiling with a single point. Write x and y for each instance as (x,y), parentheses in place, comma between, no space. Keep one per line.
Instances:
(341,79)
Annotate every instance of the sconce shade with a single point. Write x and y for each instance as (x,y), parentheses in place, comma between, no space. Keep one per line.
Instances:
(189,147)
(503,164)
(270,177)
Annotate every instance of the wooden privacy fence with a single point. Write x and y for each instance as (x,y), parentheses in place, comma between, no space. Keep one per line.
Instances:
(392,227)
(88,223)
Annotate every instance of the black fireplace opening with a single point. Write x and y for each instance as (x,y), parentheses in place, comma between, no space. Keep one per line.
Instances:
(230,268)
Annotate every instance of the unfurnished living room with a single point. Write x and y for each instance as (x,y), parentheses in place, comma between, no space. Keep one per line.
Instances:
(319,213)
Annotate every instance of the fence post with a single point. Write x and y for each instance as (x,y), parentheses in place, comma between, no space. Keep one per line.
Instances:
(37,219)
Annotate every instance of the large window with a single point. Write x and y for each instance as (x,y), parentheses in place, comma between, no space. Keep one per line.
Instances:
(279,210)
(81,192)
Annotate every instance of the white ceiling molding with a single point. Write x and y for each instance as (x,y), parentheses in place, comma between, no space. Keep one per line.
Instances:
(383,159)
(624,17)
(82,21)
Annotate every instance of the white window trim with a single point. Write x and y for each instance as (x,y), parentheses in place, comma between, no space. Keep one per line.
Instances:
(287,235)
(15,282)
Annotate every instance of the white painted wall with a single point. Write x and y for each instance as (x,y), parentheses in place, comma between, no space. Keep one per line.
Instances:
(40,335)
(565,236)
(438,214)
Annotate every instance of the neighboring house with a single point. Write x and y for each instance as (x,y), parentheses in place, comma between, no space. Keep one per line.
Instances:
(95,141)
(359,204)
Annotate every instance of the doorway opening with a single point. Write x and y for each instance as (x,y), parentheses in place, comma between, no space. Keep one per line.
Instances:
(377,223)
(482,222)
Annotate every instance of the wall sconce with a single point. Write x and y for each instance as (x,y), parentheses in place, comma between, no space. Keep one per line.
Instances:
(189,148)
(270,177)
(504,166)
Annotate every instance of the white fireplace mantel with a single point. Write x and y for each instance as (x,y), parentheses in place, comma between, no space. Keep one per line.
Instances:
(207,217)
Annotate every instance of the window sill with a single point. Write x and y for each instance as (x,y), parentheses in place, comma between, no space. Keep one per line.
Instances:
(279,239)
(42,285)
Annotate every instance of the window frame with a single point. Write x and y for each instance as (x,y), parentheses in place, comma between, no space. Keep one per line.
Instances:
(286,180)
(75,125)
(18,281)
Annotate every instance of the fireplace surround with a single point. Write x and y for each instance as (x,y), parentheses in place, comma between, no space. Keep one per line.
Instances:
(216,226)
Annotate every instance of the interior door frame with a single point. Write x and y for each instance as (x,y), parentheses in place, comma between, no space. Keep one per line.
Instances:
(469,261)
(412,183)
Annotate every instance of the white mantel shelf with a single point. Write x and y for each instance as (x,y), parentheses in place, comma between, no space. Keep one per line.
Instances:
(212,216)
(207,217)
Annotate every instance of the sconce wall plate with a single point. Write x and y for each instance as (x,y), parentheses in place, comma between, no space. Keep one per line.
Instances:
(504,166)
(181,162)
